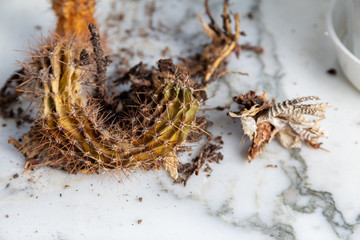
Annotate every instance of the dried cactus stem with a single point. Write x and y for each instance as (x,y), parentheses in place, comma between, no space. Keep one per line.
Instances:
(73,17)
(101,61)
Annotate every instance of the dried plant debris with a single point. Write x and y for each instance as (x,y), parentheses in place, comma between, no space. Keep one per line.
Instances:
(209,153)
(211,64)
(8,100)
(9,96)
(262,120)
(255,49)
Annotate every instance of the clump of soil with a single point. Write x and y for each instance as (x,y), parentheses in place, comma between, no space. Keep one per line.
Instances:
(9,97)
(332,71)
(209,153)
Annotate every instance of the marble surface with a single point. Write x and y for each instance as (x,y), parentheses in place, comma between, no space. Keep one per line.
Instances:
(312,194)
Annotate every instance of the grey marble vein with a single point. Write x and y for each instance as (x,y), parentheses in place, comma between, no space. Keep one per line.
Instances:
(318,199)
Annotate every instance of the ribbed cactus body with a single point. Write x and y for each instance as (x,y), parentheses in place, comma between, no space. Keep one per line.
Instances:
(75,131)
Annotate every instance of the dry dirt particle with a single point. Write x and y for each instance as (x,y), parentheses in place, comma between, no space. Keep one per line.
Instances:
(208,153)
(271,166)
(332,71)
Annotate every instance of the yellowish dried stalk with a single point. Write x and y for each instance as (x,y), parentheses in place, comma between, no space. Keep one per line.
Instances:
(74,16)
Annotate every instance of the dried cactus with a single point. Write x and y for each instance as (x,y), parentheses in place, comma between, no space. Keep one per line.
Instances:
(76,132)
(262,120)
(79,127)
(224,41)
(210,64)
(74,16)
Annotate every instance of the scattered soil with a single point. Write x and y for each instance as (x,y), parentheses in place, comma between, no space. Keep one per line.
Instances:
(332,71)
(219,140)
(209,153)
(8,95)
(150,9)
(271,166)
(255,49)
(8,99)
(165,51)
(208,169)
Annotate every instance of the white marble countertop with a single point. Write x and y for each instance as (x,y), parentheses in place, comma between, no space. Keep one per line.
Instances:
(312,194)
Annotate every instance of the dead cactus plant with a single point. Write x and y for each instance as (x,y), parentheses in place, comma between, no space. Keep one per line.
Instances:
(262,120)
(74,131)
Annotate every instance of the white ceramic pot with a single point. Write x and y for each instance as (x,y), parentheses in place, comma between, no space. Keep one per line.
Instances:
(337,27)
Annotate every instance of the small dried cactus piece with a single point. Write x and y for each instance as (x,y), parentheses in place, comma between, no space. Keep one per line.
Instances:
(223,41)
(210,63)
(262,120)
(79,133)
